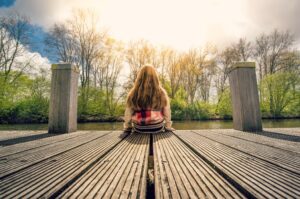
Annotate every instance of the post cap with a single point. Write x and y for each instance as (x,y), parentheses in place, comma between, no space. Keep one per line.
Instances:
(65,66)
(243,65)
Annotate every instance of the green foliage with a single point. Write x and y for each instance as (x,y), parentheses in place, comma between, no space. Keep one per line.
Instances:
(224,107)
(120,109)
(32,110)
(94,105)
(178,105)
(166,85)
(12,92)
(97,107)
(7,112)
(25,100)
(181,110)
(199,110)
(279,95)
(27,110)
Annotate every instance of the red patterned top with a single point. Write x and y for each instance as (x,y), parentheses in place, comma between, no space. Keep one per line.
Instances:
(147,117)
(144,117)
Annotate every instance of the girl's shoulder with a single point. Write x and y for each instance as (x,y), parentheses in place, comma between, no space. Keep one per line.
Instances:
(165,97)
(163,90)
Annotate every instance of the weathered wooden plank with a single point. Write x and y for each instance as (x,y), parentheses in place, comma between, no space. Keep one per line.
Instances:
(244,97)
(259,178)
(282,158)
(179,173)
(25,139)
(63,98)
(15,162)
(52,175)
(121,173)
(21,147)
(288,131)
(270,137)
(6,135)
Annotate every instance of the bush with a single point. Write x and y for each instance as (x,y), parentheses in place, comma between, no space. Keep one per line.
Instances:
(178,105)
(7,113)
(279,94)
(224,107)
(196,111)
(178,109)
(29,110)
(97,107)
(32,110)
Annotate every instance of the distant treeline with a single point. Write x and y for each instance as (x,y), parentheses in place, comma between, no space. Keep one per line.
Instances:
(196,80)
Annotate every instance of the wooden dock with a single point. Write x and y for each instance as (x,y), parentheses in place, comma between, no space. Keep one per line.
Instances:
(221,163)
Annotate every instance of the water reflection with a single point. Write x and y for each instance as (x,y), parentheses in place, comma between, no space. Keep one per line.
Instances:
(180,125)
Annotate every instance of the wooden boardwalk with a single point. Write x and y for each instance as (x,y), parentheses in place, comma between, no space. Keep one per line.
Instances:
(184,164)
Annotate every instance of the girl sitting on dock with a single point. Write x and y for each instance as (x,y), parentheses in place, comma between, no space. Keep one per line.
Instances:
(147,106)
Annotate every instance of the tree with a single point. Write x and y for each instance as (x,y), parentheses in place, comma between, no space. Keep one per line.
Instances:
(242,50)
(269,50)
(208,64)
(224,61)
(174,71)
(80,42)
(14,37)
(279,91)
(190,61)
(138,54)
(61,44)
(90,41)
(198,67)
(112,60)
(166,59)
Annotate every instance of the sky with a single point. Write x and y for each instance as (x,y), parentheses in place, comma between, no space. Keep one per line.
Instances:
(181,24)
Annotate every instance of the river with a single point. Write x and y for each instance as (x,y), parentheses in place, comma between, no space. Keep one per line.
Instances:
(179,125)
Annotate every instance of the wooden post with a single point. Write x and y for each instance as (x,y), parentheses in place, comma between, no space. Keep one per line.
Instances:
(244,97)
(63,99)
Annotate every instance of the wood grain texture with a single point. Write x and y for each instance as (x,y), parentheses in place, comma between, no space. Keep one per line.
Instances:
(7,135)
(284,139)
(244,97)
(49,176)
(63,99)
(14,162)
(216,163)
(38,143)
(259,177)
(120,174)
(179,173)
(279,157)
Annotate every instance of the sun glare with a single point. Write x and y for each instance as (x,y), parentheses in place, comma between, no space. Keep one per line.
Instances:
(178,24)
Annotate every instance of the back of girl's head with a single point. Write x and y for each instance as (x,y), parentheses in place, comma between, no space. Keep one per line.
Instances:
(147,91)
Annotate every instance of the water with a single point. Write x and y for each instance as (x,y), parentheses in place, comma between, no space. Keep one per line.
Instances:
(179,125)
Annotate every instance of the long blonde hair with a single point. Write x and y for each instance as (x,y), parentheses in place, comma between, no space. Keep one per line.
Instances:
(147,91)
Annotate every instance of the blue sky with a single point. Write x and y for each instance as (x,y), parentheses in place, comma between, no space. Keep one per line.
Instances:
(181,24)
(6,3)
(37,42)
(37,31)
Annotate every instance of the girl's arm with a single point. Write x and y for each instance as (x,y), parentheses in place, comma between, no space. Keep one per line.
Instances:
(127,118)
(167,117)
(167,113)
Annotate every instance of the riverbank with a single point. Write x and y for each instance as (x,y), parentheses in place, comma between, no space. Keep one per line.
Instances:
(179,125)
(109,119)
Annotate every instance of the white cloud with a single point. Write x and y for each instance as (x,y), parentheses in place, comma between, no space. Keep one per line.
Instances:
(36,63)
(178,23)
(30,63)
